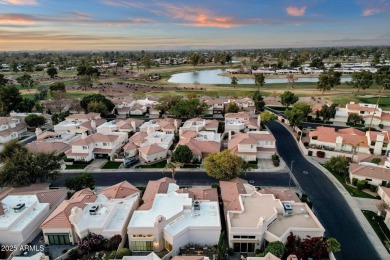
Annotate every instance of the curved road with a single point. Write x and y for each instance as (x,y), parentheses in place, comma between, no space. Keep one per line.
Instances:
(329,205)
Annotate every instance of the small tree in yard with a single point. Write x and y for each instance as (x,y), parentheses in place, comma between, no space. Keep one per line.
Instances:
(221,249)
(332,245)
(267,116)
(275,160)
(52,72)
(361,184)
(276,248)
(225,165)
(81,181)
(338,164)
(182,154)
(34,120)
(172,166)
(258,99)
(232,107)
(354,118)
(288,98)
(115,241)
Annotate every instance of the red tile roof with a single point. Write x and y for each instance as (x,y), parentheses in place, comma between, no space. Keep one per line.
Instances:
(230,191)
(119,191)
(153,188)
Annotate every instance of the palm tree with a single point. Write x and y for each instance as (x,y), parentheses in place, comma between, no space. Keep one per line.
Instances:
(172,166)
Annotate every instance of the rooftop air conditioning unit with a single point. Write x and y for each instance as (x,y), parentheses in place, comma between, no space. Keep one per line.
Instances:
(196,205)
(93,210)
(19,207)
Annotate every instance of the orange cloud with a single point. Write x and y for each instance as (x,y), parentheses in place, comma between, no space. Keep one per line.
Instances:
(19,2)
(14,19)
(296,11)
(201,17)
(371,11)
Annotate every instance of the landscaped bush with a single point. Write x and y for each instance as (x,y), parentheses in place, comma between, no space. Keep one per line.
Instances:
(306,143)
(74,255)
(354,181)
(275,160)
(320,154)
(68,160)
(310,153)
(361,184)
(115,241)
(120,253)
(380,126)
(373,188)
(376,161)
(92,242)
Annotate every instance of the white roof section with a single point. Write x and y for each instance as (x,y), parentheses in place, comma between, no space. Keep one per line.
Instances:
(151,256)
(110,215)
(208,136)
(206,217)
(19,220)
(162,139)
(164,205)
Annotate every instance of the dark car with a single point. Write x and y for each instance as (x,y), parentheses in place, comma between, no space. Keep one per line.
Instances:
(130,161)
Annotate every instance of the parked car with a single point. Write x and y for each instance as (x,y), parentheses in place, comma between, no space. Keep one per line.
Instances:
(130,161)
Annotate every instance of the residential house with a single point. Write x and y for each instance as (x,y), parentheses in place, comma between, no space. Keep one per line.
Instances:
(57,229)
(166,125)
(160,186)
(154,147)
(97,146)
(252,145)
(201,143)
(131,148)
(384,193)
(371,114)
(62,105)
(241,122)
(199,124)
(48,142)
(109,214)
(71,219)
(128,126)
(215,105)
(253,218)
(349,140)
(246,104)
(378,176)
(80,123)
(126,106)
(22,211)
(11,128)
(174,220)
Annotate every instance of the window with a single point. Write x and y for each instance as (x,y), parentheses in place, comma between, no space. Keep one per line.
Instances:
(85,147)
(59,239)
(105,144)
(244,247)
(142,235)
(368,179)
(168,246)
(142,245)
(372,142)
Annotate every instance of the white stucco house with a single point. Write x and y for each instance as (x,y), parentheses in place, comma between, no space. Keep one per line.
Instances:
(11,128)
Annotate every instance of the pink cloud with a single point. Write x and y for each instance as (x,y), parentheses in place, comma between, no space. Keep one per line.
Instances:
(19,2)
(296,11)
(371,11)
(15,19)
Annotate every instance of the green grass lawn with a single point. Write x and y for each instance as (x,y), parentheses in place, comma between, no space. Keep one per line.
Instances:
(379,227)
(353,191)
(384,102)
(154,165)
(112,165)
(76,166)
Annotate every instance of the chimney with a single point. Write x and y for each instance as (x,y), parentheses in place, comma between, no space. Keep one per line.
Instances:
(133,126)
(230,135)
(93,125)
(83,135)
(149,130)
(204,122)
(38,131)
(259,121)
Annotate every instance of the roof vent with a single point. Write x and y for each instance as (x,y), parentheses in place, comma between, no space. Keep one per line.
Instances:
(94,210)
(196,205)
(19,207)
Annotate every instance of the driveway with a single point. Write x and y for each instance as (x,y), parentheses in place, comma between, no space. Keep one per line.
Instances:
(328,203)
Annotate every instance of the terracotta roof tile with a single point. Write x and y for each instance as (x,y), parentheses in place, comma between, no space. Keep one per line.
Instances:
(119,191)
(151,149)
(153,188)
(370,171)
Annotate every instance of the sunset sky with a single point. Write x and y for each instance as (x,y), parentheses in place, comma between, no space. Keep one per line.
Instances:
(185,24)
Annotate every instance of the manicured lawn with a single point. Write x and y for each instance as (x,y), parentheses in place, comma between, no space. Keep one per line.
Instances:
(76,166)
(112,165)
(384,102)
(379,227)
(154,165)
(353,191)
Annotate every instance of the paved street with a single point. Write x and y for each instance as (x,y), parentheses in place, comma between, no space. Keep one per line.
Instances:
(328,204)
(184,178)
